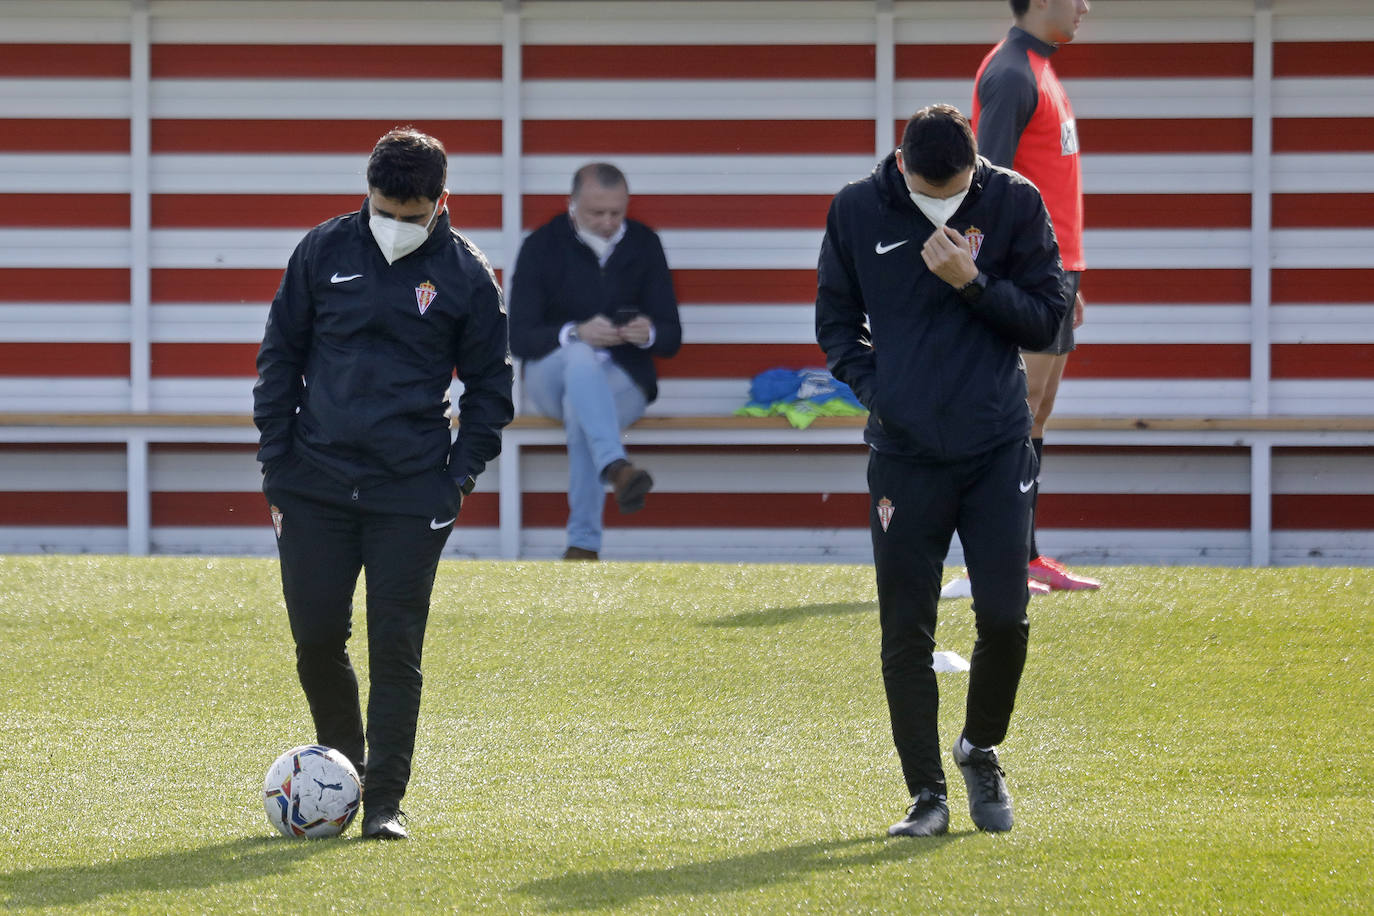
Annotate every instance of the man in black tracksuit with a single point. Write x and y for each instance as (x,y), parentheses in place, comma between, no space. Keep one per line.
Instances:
(375,313)
(933,271)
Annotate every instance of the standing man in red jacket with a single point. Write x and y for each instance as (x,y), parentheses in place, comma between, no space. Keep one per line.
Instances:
(1023,121)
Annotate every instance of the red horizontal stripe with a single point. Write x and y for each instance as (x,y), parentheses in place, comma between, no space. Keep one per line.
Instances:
(645,136)
(1321,285)
(737,360)
(1322,361)
(1166,211)
(101,448)
(647,62)
(204,360)
(86,211)
(250,510)
(262,61)
(1179,511)
(236,211)
(1316,511)
(1323,135)
(83,284)
(1165,135)
(1089,61)
(77,360)
(1323,58)
(66,509)
(1159,361)
(703,211)
(64,135)
(258,285)
(757,286)
(1297,211)
(356,137)
(714,510)
(1150,286)
(49,61)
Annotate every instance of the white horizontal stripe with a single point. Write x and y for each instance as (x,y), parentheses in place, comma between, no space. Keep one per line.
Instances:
(1176,173)
(1162,324)
(64,173)
(66,22)
(790,174)
(1323,473)
(1167,248)
(1314,173)
(1103,98)
(1322,323)
(186,173)
(1321,548)
(1341,97)
(1317,397)
(1150,397)
(210,395)
(327,22)
(21,539)
(1323,20)
(64,394)
(716,545)
(1182,471)
(64,98)
(764,248)
(1323,247)
(748,324)
(688,397)
(218,323)
(727,472)
(714,99)
(49,322)
(64,248)
(395,100)
(39,469)
(253,247)
(963,22)
(698,22)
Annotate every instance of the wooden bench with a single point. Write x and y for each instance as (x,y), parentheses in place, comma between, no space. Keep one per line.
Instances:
(1258,434)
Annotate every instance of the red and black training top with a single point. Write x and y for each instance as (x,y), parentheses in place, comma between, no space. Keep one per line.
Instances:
(1023,121)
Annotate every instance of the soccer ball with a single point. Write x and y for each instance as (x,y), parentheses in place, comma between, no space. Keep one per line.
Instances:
(311,791)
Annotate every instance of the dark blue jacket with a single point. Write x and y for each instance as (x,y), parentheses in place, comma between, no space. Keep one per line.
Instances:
(942,377)
(558,279)
(358,356)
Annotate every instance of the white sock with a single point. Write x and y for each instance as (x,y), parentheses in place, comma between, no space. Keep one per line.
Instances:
(965,747)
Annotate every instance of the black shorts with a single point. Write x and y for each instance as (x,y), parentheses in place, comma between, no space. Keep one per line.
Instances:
(1063,339)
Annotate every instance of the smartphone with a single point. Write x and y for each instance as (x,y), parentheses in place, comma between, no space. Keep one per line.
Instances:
(624,316)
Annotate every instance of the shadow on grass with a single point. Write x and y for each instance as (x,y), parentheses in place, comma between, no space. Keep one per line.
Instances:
(777,616)
(249,858)
(616,887)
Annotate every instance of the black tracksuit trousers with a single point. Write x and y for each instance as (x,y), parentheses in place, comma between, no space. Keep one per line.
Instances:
(323,547)
(916,508)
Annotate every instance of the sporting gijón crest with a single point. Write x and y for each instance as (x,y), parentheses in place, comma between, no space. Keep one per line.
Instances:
(425,294)
(974,236)
(885,510)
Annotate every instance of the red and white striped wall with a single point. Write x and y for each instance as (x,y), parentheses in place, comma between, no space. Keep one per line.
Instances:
(158,161)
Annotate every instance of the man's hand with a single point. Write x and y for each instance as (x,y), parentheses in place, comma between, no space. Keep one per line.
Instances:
(598,331)
(949,257)
(1078,310)
(636,331)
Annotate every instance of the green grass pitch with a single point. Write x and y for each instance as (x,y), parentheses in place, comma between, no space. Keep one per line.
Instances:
(687,738)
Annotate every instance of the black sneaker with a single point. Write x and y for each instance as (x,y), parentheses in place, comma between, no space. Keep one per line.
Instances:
(386,822)
(989,803)
(927,816)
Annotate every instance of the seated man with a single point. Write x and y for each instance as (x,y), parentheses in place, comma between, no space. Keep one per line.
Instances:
(591,304)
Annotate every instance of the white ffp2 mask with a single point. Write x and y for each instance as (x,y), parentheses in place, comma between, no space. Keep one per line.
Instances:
(395,238)
(938,209)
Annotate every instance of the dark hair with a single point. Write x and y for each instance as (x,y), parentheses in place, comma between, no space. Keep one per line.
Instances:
(407,164)
(938,143)
(1019,7)
(603,173)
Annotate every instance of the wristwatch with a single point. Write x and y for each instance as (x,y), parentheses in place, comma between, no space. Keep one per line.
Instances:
(973,290)
(466,485)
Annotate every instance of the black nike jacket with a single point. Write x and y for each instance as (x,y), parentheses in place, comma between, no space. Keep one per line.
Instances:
(941,377)
(357,359)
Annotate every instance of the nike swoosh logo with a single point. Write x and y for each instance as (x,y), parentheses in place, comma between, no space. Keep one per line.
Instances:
(340,278)
(1026,485)
(435,524)
(880,248)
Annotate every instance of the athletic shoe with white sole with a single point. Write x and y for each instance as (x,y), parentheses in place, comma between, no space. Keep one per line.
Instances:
(1055,575)
(989,803)
(928,815)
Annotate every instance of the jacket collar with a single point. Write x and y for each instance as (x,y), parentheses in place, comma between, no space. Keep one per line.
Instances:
(893,192)
(1018,35)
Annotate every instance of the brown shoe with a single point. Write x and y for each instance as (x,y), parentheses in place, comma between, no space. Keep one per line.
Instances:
(631,485)
(579,553)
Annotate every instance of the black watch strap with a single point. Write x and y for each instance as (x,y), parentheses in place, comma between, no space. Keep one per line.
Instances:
(467,484)
(973,290)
